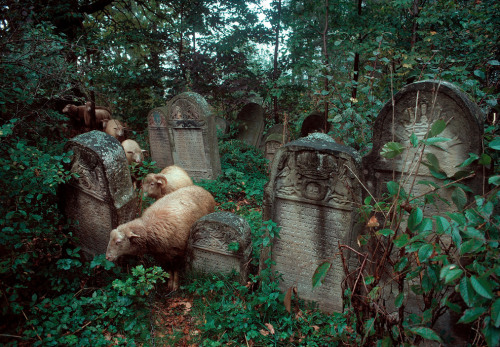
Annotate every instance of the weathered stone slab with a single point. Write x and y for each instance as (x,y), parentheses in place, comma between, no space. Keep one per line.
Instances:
(272,143)
(251,124)
(312,195)
(222,124)
(102,197)
(416,107)
(210,240)
(183,133)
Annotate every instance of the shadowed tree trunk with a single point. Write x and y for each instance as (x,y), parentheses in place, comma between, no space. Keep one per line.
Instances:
(275,70)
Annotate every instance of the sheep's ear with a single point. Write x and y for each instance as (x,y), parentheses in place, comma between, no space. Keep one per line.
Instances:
(130,234)
(162,180)
(104,123)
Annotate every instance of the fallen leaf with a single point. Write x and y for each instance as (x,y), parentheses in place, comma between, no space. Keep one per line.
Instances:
(270,327)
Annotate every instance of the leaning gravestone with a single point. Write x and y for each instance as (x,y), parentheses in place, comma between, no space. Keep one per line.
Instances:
(183,133)
(272,143)
(102,196)
(416,107)
(312,195)
(212,240)
(251,124)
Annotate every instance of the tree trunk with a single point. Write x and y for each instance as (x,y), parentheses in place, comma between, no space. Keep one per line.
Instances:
(355,77)
(275,71)
(326,62)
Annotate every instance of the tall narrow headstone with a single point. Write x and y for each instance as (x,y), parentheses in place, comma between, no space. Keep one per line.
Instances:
(272,143)
(251,124)
(413,111)
(221,242)
(312,195)
(183,133)
(102,196)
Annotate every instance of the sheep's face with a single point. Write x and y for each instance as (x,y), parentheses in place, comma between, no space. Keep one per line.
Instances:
(66,108)
(151,186)
(120,243)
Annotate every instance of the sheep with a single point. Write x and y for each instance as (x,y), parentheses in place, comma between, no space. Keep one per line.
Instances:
(114,128)
(163,230)
(133,151)
(169,179)
(101,112)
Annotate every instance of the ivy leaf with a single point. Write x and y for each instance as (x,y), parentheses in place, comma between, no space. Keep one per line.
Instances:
(320,274)
(466,291)
(471,314)
(495,313)
(459,198)
(482,287)
(426,333)
(425,252)
(399,300)
(391,150)
(416,217)
(437,127)
(495,144)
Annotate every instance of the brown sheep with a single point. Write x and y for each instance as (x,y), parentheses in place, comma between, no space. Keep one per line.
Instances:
(133,151)
(169,179)
(76,113)
(114,128)
(101,113)
(163,229)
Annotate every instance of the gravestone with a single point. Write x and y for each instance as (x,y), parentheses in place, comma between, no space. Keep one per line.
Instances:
(183,133)
(314,123)
(211,240)
(312,195)
(272,143)
(222,125)
(102,197)
(251,124)
(416,107)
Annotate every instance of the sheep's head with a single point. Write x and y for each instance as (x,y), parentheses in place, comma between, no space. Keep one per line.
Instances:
(152,185)
(121,242)
(67,108)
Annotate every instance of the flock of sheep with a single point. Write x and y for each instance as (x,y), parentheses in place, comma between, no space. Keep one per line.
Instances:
(163,228)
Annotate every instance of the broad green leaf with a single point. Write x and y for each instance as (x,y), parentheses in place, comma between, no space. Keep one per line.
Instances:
(466,291)
(432,161)
(426,225)
(399,300)
(470,160)
(414,140)
(391,150)
(480,74)
(437,127)
(442,224)
(401,240)
(495,313)
(491,334)
(369,330)
(426,333)
(485,159)
(385,232)
(450,272)
(439,174)
(471,314)
(495,180)
(482,287)
(425,252)
(401,264)
(415,218)
(494,62)
(393,188)
(369,280)
(434,140)
(470,246)
(320,274)
(475,234)
(459,198)
(495,144)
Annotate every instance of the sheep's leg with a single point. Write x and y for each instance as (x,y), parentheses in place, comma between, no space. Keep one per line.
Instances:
(175,285)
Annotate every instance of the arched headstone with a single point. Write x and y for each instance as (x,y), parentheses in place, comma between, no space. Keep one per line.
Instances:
(314,123)
(251,124)
(183,133)
(416,107)
(102,197)
(312,195)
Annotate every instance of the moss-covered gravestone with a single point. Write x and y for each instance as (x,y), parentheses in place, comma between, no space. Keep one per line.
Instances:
(183,133)
(312,195)
(220,242)
(251,124)
(102,196)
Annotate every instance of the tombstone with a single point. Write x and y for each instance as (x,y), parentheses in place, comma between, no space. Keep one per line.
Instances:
(102,197)
(251,124)
(312,195)
(416,107)
(222,125)
(314,123)
(210,240)
(183,133)
(272,143)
